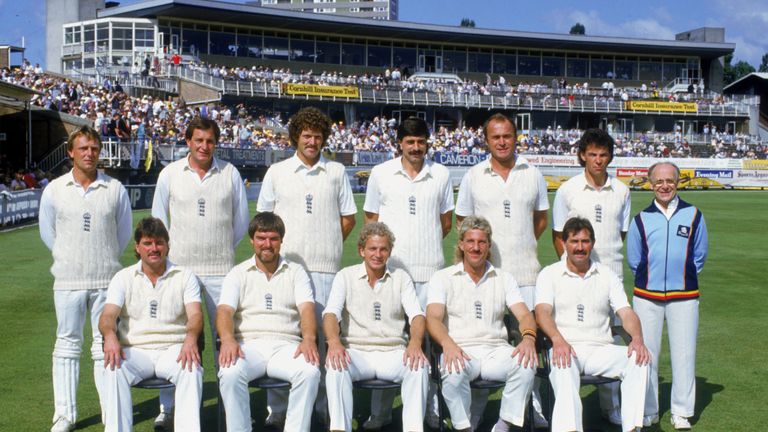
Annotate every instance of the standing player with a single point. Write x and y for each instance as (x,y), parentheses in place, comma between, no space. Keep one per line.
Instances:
(666,250)
(512,195)
(414,197)
(201,199)
(81,212)
(605,202)
(313,196)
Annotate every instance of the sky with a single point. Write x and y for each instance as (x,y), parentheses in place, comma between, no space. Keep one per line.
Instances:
(744,20)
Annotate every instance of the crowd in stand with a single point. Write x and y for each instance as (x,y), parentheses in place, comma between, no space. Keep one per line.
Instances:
(119,116)
(559,91)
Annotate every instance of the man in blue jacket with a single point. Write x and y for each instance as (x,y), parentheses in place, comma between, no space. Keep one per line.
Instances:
(666,250)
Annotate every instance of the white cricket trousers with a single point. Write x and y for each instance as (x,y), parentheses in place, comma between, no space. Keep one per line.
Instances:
(490,363)
(385,365)
(682,328)
(140,364)
(72,308)
(609,361)
(382,400)
(275,359)
(277,400)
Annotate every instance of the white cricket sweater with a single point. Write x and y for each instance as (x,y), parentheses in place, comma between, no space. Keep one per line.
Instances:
(373,318)
(201,221)
(153,317)
(85,250)
(311,213)
(509,207)
(412,210)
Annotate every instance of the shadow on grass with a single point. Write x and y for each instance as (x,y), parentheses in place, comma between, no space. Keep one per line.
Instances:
(704,395)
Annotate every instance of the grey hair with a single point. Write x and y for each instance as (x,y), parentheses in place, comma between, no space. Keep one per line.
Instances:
(653,167)
(375,229)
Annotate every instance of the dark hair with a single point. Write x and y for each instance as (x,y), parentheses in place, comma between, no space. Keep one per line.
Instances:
(266,222)
(83,131)
(412,126)
(498,117)
(597,138)
(202,124)
(308,118)
(575,225)
(152,228)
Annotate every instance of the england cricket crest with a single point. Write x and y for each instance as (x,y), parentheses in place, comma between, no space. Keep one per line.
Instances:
(201,207)
(507,209)
(412,205)
(268,301)
(478,309)
(580,313)
(308,201)
(87,222)
(377,311)
(598,213)
(153,309)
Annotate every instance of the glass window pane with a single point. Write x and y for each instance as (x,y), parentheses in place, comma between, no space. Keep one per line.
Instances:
(303,50)
(650,71)
(479,62)
(379,56)
(553,66)
(577,68)
(626,70)
(404,58)
(194,42)
(275,47)
(504,63)
(328,52)
(671,71)
(352,54)
(249,46)
(529,65)
(602,69)
(223,43)
(454,61)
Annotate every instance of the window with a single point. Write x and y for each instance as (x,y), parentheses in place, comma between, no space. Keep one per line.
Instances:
(379,55)
(455,61)
(145,38)
(276,47)
(353,53)
(626,69)
(249,45)
(303,50)
(553,66)
(650,70)
(504,63)
(72,35)
(404,58)
(529,65)
(576,67)
(328,51)
(602,68)
(479,62)
(222,43)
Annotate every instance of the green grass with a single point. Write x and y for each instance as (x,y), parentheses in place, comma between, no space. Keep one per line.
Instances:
(731,371)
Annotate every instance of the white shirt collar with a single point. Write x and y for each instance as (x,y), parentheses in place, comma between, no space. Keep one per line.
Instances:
(566,271)
(101,180)
(216,165)
(671,207)
(298,164)
(281,264)
(426,169)
(585,184)
(520,163)
(170,267)
(363,273)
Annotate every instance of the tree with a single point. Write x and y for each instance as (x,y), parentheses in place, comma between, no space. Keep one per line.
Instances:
(578,29)
(732,73)
(764,64)
(466,22)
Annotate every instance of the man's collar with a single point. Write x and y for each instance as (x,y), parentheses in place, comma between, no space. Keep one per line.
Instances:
(281,264)
(566,271)
(362,273)
(297,163)
(170,267)
(458,269)
(520,163)
(215,164)
(585,183)
(101,179)
(426,169)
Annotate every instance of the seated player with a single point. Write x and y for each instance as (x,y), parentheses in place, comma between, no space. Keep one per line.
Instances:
(150,323)
(466,304)
(364,324)
(574,301)
(266,321)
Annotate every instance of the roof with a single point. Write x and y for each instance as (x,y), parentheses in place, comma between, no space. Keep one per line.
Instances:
(750,80)
(16,92)
(250,15)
